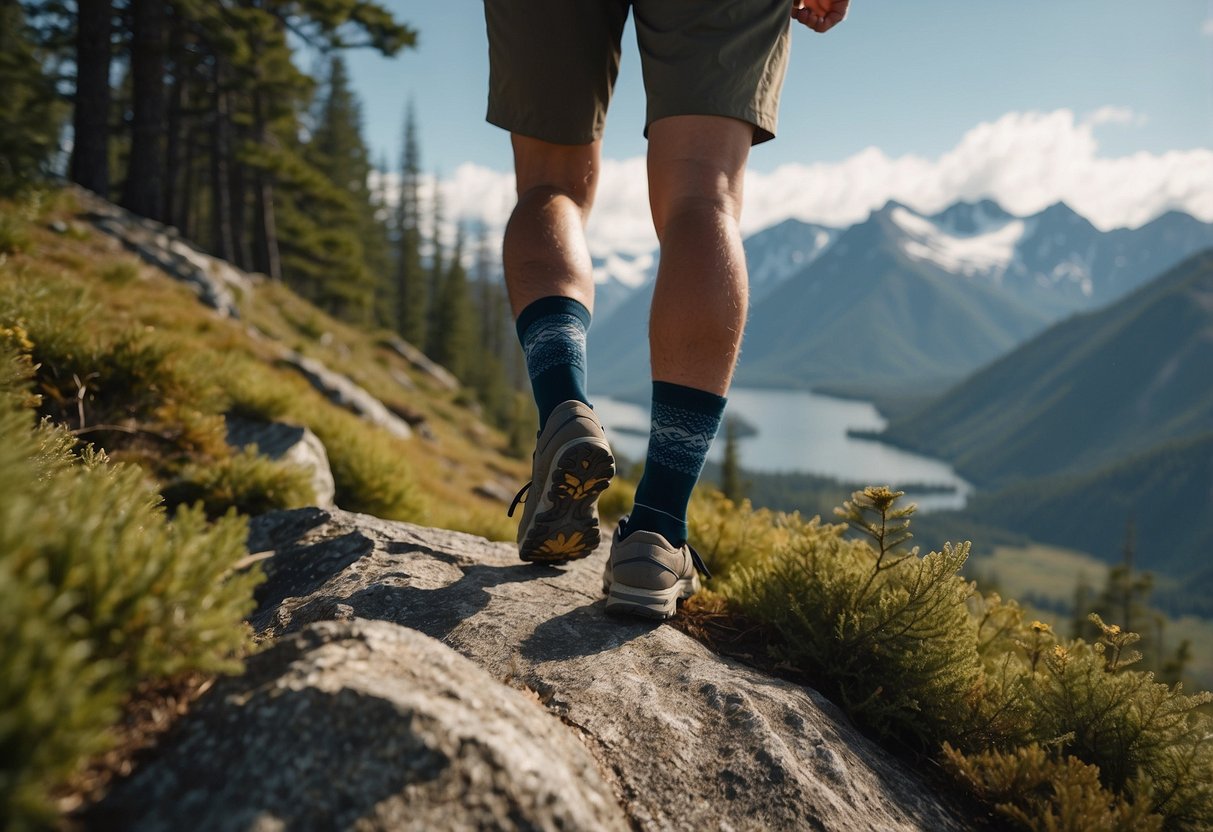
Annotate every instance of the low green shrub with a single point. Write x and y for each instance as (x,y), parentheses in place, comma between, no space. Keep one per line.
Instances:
(252,390)
(729,534)
(1054,735)
(123,393)
(617,500)
(369,468)
(1037,791)
(120,273)
(100,591)
(891,626)
(14,234)
(1144,737)
(246,481)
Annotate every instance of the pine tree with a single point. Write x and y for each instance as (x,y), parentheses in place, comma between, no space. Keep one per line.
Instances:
(437,270)
(731,484)
(1084,599)
(143,190)
(339,280)
(30,114)
(380,248)
(454,333)
(91,117)
(1126,597)
(411,281)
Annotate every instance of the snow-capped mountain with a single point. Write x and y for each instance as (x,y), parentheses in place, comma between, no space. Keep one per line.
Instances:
(778,252)
(1055,260)
(617,277)
(906,299)
(971,240)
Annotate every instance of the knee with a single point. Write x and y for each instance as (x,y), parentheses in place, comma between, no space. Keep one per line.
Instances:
(546,172)
(537,195)
(715,212)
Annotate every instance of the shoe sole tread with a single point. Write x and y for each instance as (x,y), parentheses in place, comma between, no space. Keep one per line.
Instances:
(568,529)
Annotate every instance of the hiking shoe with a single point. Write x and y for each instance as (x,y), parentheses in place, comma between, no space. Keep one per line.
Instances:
(646,575)
(572,466)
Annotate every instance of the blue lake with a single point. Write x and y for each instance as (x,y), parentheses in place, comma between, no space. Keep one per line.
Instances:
(803,432)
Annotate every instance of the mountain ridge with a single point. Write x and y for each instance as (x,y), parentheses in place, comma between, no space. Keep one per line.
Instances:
(1084,393)
(950,291)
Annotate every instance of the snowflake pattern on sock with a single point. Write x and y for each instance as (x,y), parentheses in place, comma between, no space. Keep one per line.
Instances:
(680,439)
(554,340)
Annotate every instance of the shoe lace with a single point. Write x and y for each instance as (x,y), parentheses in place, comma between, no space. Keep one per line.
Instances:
(518,499)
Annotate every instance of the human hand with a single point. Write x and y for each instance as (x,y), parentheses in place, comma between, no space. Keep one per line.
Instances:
(820,15)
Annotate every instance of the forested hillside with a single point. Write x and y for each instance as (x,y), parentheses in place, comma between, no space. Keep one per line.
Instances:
(212,128)
(1166,492)
(1089,392)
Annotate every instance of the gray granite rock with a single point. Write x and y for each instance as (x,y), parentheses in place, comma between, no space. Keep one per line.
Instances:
(294,444)
(420,361)
(494,490)
(372,726)
(345,392)
(691,740)
(216,282)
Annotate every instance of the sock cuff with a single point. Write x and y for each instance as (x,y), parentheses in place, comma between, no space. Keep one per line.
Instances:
(688,398)
(552,305)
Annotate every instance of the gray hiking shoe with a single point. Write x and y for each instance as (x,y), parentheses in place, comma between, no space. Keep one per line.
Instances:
(646,575)
(572,466)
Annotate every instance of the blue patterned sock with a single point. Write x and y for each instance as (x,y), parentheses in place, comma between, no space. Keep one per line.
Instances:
(684,423)
(552,332)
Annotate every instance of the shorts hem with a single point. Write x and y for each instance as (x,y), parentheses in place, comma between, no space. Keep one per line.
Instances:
(544,133)
(764,124)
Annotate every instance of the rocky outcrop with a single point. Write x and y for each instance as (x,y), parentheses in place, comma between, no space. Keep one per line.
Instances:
(367,725)
(217,282)
(345,392)
(292,444)
(443,377)
(681,738)
(219,285)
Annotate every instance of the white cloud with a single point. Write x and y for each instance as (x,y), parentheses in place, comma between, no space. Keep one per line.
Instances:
(1206,28)
(1115,115)
(1025,161)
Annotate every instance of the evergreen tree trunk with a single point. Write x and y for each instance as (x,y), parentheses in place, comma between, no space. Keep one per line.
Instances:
(175,126)
(90,121)
(237,193)
(730,470)
(411,296)
(221,212)
(186,215)
(437,277)
(266,256)
(143,190)
(265,232)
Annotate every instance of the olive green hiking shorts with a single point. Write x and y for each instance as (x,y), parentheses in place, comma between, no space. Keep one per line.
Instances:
(553,63)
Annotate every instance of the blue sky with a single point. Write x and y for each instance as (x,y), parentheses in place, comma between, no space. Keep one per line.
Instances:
(908,77)
(1103,103)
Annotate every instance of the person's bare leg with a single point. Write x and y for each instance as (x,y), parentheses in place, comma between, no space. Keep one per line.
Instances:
(551,285)
(545,252)
(696,168)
